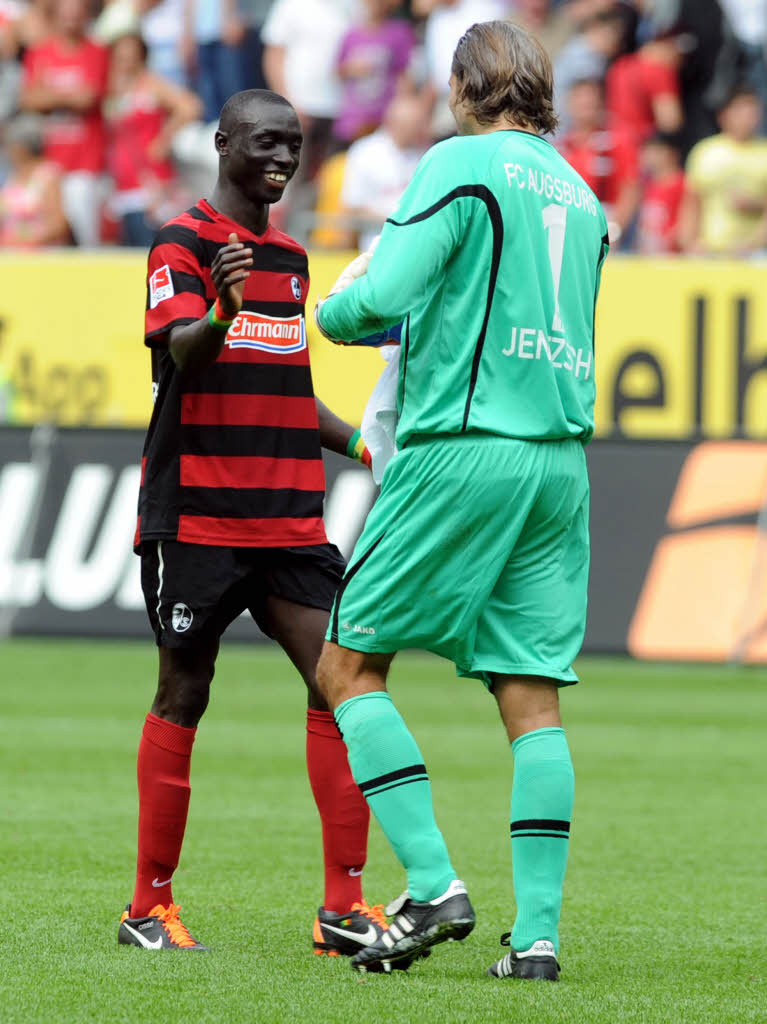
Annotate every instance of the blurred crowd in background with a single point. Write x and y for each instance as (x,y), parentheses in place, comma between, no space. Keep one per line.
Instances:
(108,111)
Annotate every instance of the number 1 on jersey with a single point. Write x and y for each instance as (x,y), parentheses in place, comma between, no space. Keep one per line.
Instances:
(555,223)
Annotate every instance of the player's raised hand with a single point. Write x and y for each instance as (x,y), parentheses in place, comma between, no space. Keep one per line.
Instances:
(229,270)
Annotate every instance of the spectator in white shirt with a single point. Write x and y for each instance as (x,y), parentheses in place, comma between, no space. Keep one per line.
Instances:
(446,22)
(380,166)
(301,41)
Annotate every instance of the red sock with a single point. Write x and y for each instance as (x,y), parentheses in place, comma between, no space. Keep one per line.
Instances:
(343,810)
(164,754)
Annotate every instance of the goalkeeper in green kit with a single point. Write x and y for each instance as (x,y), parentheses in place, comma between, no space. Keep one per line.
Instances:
(477,548)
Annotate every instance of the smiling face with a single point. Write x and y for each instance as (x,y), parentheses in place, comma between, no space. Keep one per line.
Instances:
(260,153)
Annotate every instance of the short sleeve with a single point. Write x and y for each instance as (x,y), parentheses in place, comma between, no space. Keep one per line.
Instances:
(661,80)
(175,285)
(277,27)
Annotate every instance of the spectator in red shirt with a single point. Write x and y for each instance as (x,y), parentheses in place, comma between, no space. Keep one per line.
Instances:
(143,112)
(65,80)
(604,155)
(662,194)
(643,88)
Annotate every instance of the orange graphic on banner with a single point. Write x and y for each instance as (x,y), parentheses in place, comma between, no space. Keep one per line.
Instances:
(705,594)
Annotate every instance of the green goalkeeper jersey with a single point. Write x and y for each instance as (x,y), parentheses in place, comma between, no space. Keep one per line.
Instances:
(493,260)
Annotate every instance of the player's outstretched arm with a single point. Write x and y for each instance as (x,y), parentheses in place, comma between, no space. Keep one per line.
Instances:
(339,436)
(415,244)
(198,345)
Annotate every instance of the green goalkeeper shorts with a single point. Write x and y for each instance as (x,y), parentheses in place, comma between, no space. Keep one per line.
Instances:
(477,549)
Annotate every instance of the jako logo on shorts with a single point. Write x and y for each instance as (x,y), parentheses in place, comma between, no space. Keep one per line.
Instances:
(267,333)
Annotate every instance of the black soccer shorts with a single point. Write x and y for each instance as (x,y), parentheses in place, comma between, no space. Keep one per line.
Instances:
(194,591)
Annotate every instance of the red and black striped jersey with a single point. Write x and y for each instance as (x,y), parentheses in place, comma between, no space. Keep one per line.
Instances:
(232,454)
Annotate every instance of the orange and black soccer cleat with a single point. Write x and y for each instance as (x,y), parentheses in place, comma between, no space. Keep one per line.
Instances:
(162,928)
(416,927)
(346,934)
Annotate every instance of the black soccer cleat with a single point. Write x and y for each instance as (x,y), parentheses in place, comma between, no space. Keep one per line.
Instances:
(416,927)
(162,928)
(346,934)
(538,963)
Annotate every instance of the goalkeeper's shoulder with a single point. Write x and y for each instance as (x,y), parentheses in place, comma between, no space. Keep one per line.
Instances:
(445,157)
(449,165)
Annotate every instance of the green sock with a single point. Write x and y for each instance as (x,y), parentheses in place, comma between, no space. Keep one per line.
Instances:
(541,808)
(388,767)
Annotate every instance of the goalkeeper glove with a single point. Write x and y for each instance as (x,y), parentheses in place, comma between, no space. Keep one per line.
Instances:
(357,268)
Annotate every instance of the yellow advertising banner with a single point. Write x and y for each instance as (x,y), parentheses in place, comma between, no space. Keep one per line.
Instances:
(70,338)
(71,341)
(681,349)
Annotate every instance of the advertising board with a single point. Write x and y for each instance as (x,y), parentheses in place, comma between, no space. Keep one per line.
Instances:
(679,541)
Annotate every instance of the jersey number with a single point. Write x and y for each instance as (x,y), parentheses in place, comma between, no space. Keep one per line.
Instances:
(555,223)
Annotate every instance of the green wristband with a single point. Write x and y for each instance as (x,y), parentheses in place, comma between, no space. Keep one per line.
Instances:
(352,445)
(216,317)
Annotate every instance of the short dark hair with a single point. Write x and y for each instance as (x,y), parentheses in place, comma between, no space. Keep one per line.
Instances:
(501,70)
(143,48)
(735,93)
(611,16)
(671,140)
(234,110)
(591,81)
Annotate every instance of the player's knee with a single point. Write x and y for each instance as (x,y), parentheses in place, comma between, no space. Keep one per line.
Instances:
(183,688)
(343,673)
(333,675)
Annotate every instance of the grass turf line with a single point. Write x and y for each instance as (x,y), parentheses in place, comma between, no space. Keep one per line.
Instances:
(664,912)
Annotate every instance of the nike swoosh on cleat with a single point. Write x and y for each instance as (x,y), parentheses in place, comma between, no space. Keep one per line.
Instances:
(143,941)
(157,884)
(364,938)
(354,872)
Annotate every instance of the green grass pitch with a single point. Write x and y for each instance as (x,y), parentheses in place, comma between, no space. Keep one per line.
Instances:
(665,911)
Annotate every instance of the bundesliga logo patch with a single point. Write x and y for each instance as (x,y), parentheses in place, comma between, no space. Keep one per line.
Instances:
(267,333)
(160,286)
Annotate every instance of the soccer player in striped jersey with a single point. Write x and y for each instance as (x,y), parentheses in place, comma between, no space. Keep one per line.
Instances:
(477,547)
(230,508)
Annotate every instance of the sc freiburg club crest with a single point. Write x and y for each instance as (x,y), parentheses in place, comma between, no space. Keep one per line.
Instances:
(182,617)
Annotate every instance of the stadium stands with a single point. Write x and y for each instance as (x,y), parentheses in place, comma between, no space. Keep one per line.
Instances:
(668,67)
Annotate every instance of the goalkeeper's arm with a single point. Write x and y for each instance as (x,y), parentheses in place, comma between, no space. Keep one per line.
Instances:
(414,247)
